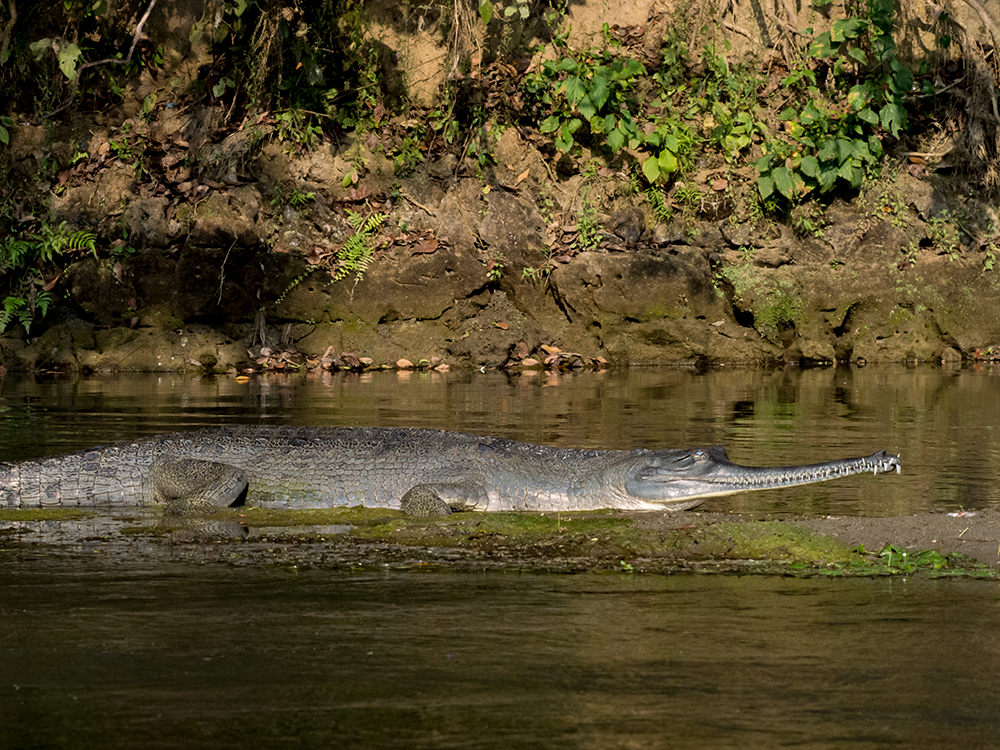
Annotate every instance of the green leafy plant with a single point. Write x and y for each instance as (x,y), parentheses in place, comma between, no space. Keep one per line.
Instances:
(882,202)
(294,283)
(297,198)
(530,273)
(52,242)
(942,235)
(495,265)
(990,257)
(519,8)
(658,202)
(671,144)
(727,97)
(589,230)
(356,254)
(486,11)
(588,93)
(836,138)
(901,560)
(409,155)
(22,259)
(667,137)
(688,196)
(808,220)
(863,48)
(297,127)
(443,121)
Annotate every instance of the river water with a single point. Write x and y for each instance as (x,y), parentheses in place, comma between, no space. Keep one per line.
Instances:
(100,654)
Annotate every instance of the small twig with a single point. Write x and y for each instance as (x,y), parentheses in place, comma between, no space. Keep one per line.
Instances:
(738,29)
(222,271)
(927,154)
(419,205)
(793,16)
(941,90)
(783,25)
(107,61)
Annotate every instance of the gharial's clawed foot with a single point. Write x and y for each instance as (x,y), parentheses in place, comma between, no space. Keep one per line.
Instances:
(423,501)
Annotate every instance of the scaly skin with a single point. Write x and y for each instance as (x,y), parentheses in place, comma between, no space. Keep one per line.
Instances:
(322,467)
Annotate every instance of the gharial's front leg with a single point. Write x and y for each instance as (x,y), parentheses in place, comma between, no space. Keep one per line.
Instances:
(441,499)
(182,483)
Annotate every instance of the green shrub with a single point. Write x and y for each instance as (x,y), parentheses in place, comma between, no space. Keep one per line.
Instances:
(836,136)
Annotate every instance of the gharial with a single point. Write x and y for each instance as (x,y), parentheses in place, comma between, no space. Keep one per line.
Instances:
(420,471)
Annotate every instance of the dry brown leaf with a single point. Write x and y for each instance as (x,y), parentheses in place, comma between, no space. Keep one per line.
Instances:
(425,247)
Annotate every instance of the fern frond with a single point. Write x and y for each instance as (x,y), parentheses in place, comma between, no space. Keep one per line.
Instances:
(13,253)
(42,302)
(374,222)
(11,305)
(83,240)
(355,219)
(357,252)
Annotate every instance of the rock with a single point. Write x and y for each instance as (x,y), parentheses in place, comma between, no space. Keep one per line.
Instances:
(922,197)
(93,205)
(443,168)
(225,218)
(513,228)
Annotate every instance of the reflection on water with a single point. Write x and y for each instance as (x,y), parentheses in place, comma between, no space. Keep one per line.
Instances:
(189,656)
(943,423)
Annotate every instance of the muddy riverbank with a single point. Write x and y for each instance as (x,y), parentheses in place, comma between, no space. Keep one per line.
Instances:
(932,544)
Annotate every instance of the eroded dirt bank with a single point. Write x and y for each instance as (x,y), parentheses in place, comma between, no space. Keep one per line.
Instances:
(928,544)
(237,283)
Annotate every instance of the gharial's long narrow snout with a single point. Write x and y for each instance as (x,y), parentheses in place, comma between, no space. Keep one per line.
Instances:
(678,476)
